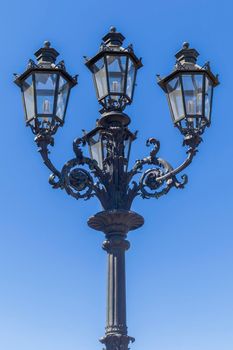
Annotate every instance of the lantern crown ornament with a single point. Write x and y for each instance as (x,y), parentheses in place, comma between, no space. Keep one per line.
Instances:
(189,89)
(45,87)
(114,70)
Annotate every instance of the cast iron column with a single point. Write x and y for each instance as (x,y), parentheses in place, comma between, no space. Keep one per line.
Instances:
(116,224)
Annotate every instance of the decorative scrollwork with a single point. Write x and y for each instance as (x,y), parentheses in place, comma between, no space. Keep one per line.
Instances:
(43,140)
(155,149)
(77,182)
(55,181)
(116,190)
(149,178)
(79,179)
(77,149)
(158,181)
(148,160)
(150,182)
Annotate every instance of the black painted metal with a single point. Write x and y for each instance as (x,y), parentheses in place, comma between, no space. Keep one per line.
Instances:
(114,184)
(46,58)
(112,46)
(186,65)
(115,225)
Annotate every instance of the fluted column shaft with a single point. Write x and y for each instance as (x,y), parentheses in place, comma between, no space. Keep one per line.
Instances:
(116,328)
(115,225)
(116,299)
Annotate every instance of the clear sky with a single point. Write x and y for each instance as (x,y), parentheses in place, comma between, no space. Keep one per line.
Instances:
(179,267)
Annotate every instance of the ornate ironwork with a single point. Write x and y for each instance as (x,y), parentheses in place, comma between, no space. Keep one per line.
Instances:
(81,176)
(109,178)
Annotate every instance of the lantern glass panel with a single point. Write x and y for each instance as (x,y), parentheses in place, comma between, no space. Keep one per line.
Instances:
(208,97)
(116,74)
(104,147)
(28,94)
(45,92)
(175,97)
(192,87)
(99,70)
(62,97)
(127,146)
(130,78)
(96,151)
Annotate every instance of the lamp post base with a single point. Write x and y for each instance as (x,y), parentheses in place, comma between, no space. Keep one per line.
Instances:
(117,341)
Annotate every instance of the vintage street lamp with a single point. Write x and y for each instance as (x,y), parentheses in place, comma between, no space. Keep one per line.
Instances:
(105,174)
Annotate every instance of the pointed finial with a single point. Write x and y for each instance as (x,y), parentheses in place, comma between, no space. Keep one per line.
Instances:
(47,44)
(113,38)
(187,55)
(185,45)
(46,54)
(112,29)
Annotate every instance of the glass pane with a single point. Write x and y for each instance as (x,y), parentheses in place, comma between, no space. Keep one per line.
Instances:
(208,97)
(116,74)
(100,77)
(63,91)
(127,144)
(192,85)
(96,149)
(28,93)
(104,146)
(130,78)
(127,148)
(175,98)
(45,89)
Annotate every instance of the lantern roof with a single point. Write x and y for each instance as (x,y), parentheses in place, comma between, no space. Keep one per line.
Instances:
(187,55)
(46,54)
(186,59)
(112,45)
(46,58)
(113,38)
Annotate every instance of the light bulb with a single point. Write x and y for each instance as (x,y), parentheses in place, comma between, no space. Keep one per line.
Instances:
(115,86)
(199,103)
(46,107)
(190,107)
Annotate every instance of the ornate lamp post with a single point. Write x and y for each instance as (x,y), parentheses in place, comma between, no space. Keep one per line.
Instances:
(105,174)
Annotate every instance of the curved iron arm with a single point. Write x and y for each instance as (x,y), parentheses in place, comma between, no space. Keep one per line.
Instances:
(163,175)
(77,182)
(43,141)
(191,153)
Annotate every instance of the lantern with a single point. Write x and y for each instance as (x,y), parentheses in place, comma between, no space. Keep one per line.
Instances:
(101,147)
(114,71)
(189,89)
(45,88)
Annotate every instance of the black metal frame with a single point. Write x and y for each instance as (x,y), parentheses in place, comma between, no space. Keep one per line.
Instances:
(110,93)
(186,65)
(111,47)
(186,115)
(45,67)
(114,185)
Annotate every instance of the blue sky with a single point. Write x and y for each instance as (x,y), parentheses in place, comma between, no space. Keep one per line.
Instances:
(179,267)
